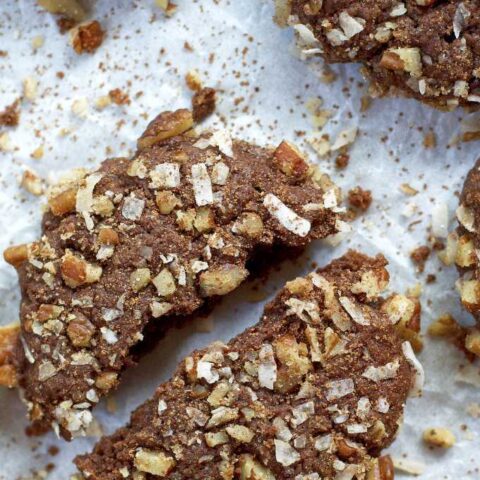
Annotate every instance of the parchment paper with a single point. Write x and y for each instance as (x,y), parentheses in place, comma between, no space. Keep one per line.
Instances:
(263,91)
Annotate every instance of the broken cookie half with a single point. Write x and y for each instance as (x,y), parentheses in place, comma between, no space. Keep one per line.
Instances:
(463,248)
(314,391)
(142,239)
(426,49)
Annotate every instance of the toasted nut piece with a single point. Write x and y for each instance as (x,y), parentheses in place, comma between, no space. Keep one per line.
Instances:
(445,326)
(166,125)
(472,342)
(103,206)
(240,433)
(404,312)
(16,255)
(344,450)
(193,80)
(32,183)
(8,341)
(382,469)
(164,283)
(47,312)
(372,283)
(405,59)
(439,437)
(76,271)
(108,236)
(70,8)
(470,294)
(64,202)
(217,438)
(299,286)
(249,224)
(106,380)
(86,37)
(204,220)
(154,462)
(465,255)
(166,202)
(295,363)
(222,280)
(378,431)
(251,469)
(290,161)
(80,331)
(185,219)
(139,279)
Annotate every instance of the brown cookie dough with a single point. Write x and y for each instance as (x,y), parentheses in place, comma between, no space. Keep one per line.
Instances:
(462,247)
(147,238)
(315,390)
(426,49)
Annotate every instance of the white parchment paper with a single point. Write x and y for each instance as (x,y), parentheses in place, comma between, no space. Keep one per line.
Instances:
(263,92)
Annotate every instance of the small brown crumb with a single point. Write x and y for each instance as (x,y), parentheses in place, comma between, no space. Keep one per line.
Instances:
(65,24)
(119,97)
(360,199)
(342,160)
(471,136)
(430,140)
(365,103)
(203,103)
(87,37)
(11,115)
(420,256)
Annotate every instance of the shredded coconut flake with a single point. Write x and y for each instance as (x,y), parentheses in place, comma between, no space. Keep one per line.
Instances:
(205,370)
(165,175)
(351,26)
(354,311)
(84,199)
(202,185)
(109,335)
(286,216)
(419,380)
(325,442)
(306,35)
(220,172)
(345,137)
(133,208)
(440,220)
(285,454)
(466,217)
(385,372)
(462,14)
(267,369)
(339,388)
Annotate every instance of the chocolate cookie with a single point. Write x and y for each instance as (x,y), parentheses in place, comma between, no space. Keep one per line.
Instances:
(315,390)
(144,239)
(462,249)
(426,49)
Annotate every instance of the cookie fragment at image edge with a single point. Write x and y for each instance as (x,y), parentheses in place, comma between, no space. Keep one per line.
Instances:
(148,238)
(397,44)
(230,397)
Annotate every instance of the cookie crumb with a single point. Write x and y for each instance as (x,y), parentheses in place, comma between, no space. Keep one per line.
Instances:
(10,117)
(203,103)
(420,256)
(360,199)
(87,37)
